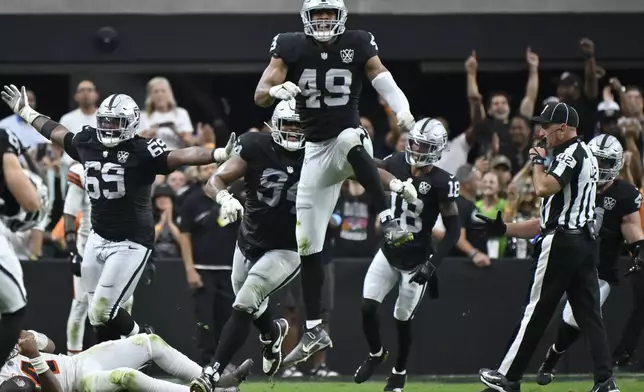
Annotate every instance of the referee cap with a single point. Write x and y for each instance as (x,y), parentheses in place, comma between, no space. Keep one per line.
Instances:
(558,113)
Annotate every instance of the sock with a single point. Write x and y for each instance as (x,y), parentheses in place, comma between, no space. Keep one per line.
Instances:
(371,325)
(379,353)
(404,344)
(366,172)
(310,324)
(312,281)
(10,326)
(172,361)
(264,324)
(132,380)
(76,327)
(123,323)
(566,336)
(233,337)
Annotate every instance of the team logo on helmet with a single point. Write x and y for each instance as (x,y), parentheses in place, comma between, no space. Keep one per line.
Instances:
(424,187)
(346,55)
(122,156)
(609,203)
(20,382)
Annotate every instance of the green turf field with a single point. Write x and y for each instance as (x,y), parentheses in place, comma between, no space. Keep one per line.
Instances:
(562,386)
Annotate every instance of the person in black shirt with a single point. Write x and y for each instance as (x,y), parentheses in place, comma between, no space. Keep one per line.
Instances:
(357,229)
(517,150)
(207,248)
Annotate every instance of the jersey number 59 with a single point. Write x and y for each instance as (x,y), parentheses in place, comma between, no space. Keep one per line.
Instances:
(337,87)
(106,180)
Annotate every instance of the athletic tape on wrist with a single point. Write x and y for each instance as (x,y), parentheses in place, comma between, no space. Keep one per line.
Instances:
(39,364)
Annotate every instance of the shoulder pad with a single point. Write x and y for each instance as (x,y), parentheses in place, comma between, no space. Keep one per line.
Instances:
(9,142)
(249,142)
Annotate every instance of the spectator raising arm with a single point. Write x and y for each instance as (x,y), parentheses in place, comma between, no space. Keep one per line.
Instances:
(477,111)
(591,82)
(532,88)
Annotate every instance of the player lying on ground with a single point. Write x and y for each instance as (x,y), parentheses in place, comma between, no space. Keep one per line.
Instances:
(77,201)
(107,367)
(266,256)
(23,205)
(327,64)
(120,167)
(617,219)
(412,265)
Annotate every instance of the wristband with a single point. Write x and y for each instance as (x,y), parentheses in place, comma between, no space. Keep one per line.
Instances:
(219,155)
(29,115)
(39,364)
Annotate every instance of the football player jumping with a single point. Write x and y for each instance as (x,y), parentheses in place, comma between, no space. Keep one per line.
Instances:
(107,367)
(266,257)
(120,167)
(77,200)
(411,265)
(327,63)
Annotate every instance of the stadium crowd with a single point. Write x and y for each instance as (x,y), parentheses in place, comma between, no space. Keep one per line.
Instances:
(489,159)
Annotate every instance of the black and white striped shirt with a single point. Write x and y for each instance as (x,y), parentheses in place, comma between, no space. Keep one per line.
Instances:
(576,170)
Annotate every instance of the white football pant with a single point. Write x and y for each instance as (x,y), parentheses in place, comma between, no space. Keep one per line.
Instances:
(13,295)
(604,292)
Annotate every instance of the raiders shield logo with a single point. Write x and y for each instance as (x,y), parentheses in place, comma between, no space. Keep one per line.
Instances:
(289,169)
(324,55)
(424,187)
(346,55)
(122,156)
(609,203)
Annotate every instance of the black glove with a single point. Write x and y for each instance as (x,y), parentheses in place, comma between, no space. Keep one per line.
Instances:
(492,227)
(423,273)
(638,260)
(150,272)
(75,264)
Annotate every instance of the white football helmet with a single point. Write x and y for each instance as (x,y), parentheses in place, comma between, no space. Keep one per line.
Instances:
(610,156)
(117,119)
(291,138)
(425,142)
(324,29)
(23,220)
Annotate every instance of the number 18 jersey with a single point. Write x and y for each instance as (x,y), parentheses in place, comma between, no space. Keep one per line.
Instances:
(330,77)
(272,175)
(434,187)
(119,181)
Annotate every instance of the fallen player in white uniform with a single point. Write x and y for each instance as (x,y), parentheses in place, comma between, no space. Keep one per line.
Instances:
(107,367)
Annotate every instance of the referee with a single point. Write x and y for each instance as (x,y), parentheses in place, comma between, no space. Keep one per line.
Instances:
(564,256)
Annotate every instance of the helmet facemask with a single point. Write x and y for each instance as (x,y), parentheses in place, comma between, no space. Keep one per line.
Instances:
(609,166)
(323,30)
(112,130)
(287,132)
(419,152)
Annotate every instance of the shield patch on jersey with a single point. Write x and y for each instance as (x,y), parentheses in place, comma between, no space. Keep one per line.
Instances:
(346,55)
(609,203)
(324,55)
(122,156)
(424,187)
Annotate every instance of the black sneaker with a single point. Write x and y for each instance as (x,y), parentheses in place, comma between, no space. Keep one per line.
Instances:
(394,234)
(546,372)
(497,381)
(369,366)
(272,350)
(396,382)
(606,386)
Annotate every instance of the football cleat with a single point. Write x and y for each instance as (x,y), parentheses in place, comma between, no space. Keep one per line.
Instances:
(546,372)
(369,366)
(497,381)
(312,341)
(323,371)
(394,234)
(395,382)
(292,372)
(272,350)
(235,377)
(606,386)
(206,382)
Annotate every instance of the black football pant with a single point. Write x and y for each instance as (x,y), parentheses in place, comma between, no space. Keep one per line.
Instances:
(635,322)
(213,305)
(564,264)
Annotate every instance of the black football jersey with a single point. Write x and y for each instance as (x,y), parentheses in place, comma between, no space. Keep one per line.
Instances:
(434,187)
(9,144)
(330,77)
(619,200)
(119,183)
(271,179)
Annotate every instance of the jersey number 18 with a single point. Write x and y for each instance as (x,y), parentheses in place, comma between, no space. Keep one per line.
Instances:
(409,213)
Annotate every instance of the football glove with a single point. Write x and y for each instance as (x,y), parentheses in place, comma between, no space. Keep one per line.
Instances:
(405,120)
(150,272)
(284,91)
(223,153)
(638,260)
(423,273)
(18,102)
(491,227)
(406,189)
(231,208)
(75,264)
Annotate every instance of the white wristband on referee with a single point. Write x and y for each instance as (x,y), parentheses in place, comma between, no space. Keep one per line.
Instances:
(39,364)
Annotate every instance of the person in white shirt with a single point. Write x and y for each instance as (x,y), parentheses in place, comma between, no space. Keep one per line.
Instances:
(86,97)
(29,137)
(163,119)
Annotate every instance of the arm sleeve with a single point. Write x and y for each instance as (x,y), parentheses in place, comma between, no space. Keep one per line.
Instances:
(563,168)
